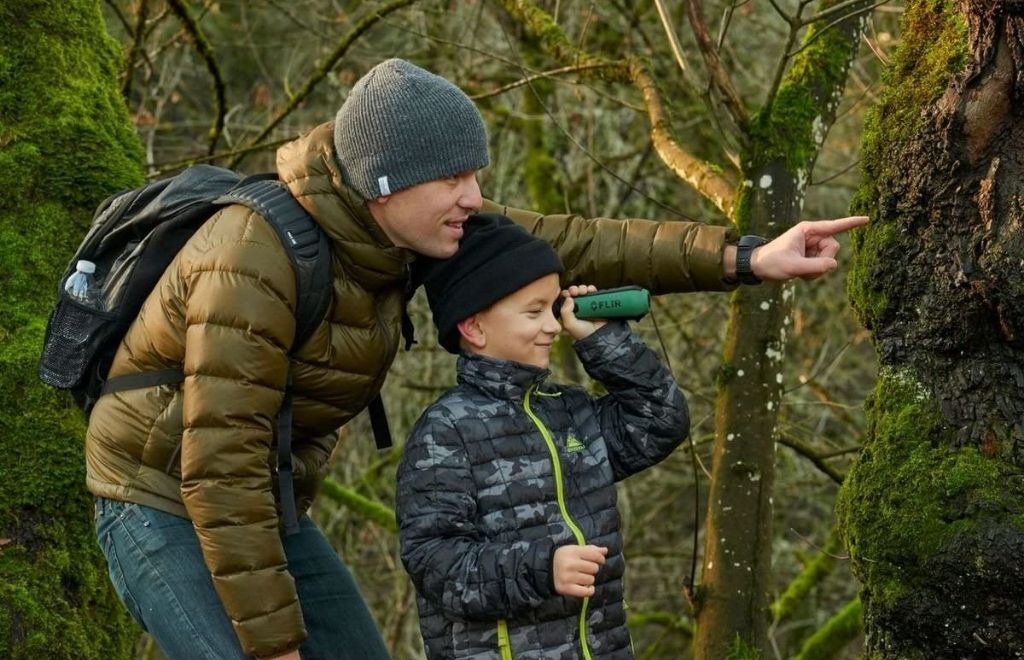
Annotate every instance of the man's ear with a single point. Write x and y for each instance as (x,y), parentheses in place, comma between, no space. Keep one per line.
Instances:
(472,333)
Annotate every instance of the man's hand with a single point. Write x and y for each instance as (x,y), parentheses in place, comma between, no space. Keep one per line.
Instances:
(575,566)
(807,250)
(577,328)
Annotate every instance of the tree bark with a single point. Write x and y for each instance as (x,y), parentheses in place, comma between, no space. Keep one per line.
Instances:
(933,512)
(733,615)
(65,143)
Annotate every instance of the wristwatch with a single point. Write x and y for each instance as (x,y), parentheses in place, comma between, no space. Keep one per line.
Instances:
(744,249)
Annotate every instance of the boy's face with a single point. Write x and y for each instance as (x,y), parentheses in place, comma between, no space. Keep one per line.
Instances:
(521,326)
(427,218)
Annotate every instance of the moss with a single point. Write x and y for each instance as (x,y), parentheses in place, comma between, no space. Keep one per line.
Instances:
(65,143)
(813,573)
(792,128)
(835,635)
(933,50)
(740,650)
(866,282)
(910,493)
(360,505)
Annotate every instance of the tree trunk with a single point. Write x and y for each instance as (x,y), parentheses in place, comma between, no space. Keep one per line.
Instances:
(934,510)
(734,597)
(65,143)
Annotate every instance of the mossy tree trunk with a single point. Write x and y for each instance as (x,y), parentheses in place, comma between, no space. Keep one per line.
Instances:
(784,138)
(933,512)
(65,143)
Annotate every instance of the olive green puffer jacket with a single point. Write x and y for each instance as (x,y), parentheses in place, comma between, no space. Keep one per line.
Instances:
(224,310)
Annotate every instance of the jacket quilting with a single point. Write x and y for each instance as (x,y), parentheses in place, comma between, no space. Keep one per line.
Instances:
(478,497)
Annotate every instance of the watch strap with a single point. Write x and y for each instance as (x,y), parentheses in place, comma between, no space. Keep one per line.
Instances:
(744,250)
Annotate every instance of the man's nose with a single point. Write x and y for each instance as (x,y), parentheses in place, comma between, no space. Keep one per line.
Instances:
(471,198)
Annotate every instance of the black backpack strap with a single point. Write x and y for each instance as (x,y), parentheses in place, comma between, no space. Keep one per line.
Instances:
(143,379)
(379,423)
(309,252)
(307,247)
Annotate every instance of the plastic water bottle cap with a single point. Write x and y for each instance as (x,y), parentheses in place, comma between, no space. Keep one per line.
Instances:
(86,267)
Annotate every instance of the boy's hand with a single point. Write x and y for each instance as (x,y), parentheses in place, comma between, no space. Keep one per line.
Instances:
(578,328)
(575,566)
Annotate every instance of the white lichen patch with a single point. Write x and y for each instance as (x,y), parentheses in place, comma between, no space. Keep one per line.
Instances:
(765,305)
(765,182)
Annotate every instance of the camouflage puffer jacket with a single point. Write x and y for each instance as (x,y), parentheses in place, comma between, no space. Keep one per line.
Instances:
(505,468)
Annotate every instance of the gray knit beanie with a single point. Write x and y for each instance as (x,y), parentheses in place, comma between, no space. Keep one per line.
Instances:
(401,126)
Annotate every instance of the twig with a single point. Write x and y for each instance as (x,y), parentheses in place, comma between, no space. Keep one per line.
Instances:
(138,35)
(719,76)
(542,74)
(673,40)
(183,13)
(817,33)
(324,67)
(120,16)
(164,168)
(812,456)
(780,69)
(833,11)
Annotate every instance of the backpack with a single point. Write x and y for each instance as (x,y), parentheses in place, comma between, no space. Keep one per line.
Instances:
(133,237)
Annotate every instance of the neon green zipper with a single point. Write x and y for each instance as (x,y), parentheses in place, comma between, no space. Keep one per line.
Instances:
(504,643)
(560,494)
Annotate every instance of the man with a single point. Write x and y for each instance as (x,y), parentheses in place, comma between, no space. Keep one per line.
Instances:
(184,473)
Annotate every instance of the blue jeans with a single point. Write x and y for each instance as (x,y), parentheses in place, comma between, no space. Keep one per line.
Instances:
(158,572)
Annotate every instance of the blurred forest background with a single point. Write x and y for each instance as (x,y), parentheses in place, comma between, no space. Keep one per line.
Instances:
(226,81)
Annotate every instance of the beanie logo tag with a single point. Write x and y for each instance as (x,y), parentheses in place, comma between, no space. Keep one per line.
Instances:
(382,182)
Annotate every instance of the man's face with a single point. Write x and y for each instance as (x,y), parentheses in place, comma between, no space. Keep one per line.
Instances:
(522,326)
(427,218)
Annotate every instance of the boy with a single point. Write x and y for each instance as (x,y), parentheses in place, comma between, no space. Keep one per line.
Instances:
(506,492)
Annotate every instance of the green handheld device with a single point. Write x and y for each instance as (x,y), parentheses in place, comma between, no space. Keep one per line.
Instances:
(624,302)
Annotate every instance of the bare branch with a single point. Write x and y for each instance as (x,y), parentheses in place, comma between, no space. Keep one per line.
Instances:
(812,456)
(702,176)
(205,49)
(780,69)
(542,74)
(138,36)
(719,76)
(818,32)
(670,32)
(120,16)
(165,168)
(835,11)
(324,67)
(778,10)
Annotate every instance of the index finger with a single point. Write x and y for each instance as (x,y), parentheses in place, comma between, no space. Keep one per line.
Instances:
(830,227)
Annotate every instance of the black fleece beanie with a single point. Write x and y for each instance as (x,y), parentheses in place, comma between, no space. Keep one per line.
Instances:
(496,257)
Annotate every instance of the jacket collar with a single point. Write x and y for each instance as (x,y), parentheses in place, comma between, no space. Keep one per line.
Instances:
(308,167)
(503,379)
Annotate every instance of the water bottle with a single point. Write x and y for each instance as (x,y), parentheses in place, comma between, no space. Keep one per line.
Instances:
(81,285)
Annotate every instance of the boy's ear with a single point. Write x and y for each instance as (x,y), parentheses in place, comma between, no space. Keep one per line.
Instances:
(471,331)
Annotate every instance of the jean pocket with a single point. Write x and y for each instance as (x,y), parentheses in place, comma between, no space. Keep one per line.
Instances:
(144,526)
